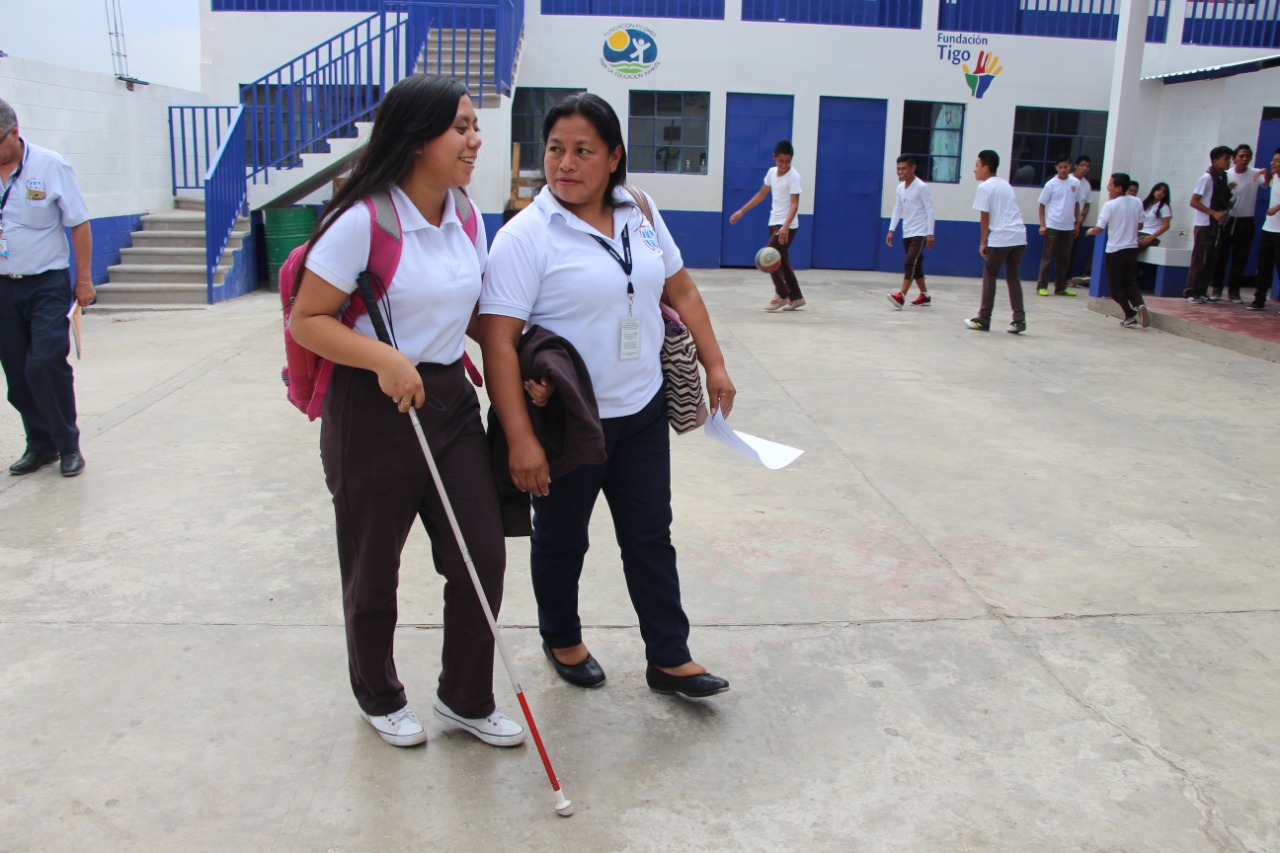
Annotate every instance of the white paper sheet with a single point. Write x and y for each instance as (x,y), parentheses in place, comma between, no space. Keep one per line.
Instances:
(770,454)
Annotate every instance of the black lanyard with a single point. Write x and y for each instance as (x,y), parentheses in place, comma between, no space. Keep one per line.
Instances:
(624,261)
(13,180)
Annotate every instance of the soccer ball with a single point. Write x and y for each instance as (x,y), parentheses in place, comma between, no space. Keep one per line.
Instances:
(768,259)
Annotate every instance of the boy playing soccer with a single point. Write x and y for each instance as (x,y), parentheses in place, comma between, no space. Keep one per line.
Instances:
(1120,218)
(784,183)
(913,204)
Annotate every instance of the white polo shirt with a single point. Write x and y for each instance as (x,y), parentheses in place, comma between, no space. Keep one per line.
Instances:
(434,291)
(1005,227)
(547,269)
(44,198)
(1121,217)
(1060,199)
(1086,194)
(783,188)
(914,206)
(1272,222)
(1204,189)
(1244,195)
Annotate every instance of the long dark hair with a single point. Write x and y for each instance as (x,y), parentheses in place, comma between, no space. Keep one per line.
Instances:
(602,117)
(416,110)
(1151,197)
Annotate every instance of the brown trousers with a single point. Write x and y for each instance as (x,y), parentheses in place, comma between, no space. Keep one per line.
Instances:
(1122,279)
(1057,253)
(1204,254)
(784,277)
(1008,257)
(380,483)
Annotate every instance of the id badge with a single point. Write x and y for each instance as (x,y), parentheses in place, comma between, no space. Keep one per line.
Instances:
(629,338)
(4,249)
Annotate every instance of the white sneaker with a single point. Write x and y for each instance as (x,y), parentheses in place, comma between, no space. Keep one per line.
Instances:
(495,729)
(400,728)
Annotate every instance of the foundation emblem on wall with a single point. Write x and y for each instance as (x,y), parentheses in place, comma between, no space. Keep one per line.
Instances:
(983,74)
(630,51)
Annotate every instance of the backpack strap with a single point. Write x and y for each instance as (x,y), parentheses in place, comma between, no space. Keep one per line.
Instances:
(466,213)
(642,201)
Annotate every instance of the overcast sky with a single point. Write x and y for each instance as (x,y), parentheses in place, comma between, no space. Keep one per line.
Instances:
(161,37)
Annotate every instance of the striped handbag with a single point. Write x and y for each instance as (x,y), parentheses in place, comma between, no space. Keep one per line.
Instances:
(686,409)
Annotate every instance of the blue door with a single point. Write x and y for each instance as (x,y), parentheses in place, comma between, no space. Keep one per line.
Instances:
(753,125)
(847,231)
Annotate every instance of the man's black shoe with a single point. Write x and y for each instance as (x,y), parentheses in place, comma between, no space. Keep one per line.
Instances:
(689,686)
(32,461)
(585,674)
(72,464)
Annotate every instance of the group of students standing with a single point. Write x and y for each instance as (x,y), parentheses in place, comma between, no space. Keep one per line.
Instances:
(587,264)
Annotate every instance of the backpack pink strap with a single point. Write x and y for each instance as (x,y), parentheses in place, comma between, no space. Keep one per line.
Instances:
(385,243)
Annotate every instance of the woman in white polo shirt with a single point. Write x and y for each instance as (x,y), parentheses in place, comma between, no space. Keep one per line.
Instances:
(584,263)
(424,145)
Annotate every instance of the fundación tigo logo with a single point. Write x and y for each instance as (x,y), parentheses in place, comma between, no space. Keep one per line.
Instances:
(630,51)
(984,71)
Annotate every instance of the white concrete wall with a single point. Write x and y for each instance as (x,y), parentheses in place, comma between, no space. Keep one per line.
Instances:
(117,140)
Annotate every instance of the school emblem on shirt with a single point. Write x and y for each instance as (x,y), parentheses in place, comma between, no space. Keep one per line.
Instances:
(650,238)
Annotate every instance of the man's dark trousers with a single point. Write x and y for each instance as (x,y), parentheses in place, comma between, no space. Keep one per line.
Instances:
(34,344)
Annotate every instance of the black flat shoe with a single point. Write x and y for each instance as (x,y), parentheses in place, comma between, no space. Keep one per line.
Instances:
(688,686)
(585,674)
(32,461)
(72,464)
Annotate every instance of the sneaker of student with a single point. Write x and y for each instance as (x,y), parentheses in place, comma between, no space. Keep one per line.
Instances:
(1215,293)
(794,305)
(977,325)
(1066,291)
(399,728)
(1130,321)
(495,729)
(1017,327)
(1197,300)
(1144,316)
(897,301)
(1235,297)
(1213,297)
(1253,306)
(776,304)
(922,299)
(1043,291)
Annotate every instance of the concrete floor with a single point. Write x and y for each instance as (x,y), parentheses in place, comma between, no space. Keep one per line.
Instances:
(1019,594)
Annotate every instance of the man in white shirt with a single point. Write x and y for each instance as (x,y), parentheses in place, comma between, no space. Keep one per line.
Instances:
(1002,242)
(1269,244)
(1059,226)
(39,198)
(783,182)
(1120,218)
(913,205)
(1237,233)
(1211,200)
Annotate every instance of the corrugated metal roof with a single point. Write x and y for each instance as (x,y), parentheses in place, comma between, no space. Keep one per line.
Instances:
(1215,72)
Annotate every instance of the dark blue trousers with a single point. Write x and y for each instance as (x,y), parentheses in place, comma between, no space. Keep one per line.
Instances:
(34,344)
(636,481)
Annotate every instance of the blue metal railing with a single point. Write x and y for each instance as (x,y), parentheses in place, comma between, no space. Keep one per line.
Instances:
(700,9)
(905,14)
(1080,19)
(1233,23)
(225,193)
(195,135)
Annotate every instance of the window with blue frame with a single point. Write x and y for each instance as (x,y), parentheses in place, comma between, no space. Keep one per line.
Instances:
(528,108)
(904,14)
(702,9)
(1041,135)
(932,134)
(668,132)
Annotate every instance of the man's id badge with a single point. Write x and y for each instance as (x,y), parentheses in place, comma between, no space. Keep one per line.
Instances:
(629,338)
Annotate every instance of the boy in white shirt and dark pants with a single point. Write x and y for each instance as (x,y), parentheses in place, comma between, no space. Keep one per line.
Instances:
(1211,200)
(1059,226)
(783,182)
(1269,245)
(1120,218)
(1002,242)
(913,204)
(1237,235)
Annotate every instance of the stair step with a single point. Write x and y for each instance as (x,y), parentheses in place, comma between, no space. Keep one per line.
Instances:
(151,255)
(115,293)
(164,274)
(188,203)
(127,305)
(181,239)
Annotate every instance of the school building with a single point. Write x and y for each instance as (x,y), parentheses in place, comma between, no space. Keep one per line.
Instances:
(704,88)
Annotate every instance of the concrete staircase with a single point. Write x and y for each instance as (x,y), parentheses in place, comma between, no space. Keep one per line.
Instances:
(451,53)
(164,269)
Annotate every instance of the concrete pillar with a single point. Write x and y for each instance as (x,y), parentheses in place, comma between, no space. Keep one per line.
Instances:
(1123,113)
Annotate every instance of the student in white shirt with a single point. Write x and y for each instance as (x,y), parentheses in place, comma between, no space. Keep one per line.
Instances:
(1120,218)
(584,263)
(913,205)
(1081,174)
(1237,235)
(1211,200)
(1157,214)
(1269,244)
(1059,204)
(1002,242)
(783,183)
(424,145)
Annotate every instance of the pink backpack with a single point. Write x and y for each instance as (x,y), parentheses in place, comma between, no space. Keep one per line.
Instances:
(305,374)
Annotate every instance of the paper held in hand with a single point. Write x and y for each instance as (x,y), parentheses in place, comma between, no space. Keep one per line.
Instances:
(770,454)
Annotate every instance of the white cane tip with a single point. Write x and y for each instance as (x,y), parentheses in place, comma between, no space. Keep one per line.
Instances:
(564,809)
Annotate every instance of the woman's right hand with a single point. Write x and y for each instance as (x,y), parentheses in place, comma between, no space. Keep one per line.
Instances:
(528,465)
(399,380)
